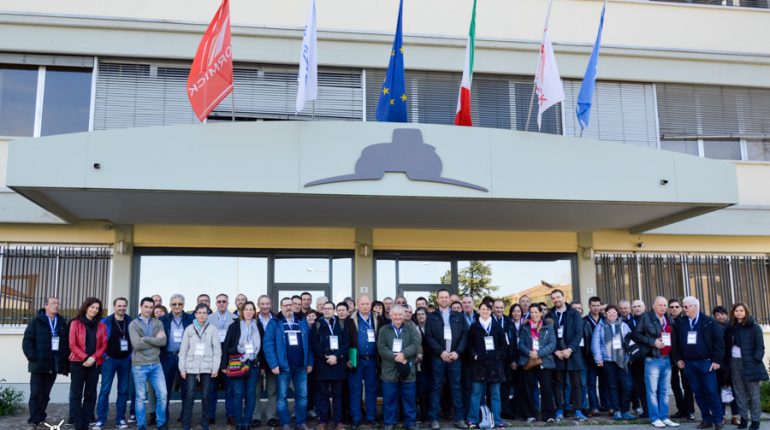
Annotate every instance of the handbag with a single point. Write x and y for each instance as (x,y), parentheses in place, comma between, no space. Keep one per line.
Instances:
(533,362)
(236,367)
(727,394)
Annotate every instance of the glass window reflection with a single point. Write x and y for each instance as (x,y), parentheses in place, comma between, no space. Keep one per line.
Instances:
(67,101)
(18,93)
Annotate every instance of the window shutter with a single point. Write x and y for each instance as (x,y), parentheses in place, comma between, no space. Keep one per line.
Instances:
(623,112)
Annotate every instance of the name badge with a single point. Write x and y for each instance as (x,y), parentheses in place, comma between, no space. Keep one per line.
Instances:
(249,348)
(560,332)
(692,337)
(334,343)
(616,343)
(535,344)
(55,343)
(177,335)
(447,333)
(666,338)
(222,335)
(489,343)
(397,343)
(370,335)
(582,342)
(200,348)
(293,341)
(124,345)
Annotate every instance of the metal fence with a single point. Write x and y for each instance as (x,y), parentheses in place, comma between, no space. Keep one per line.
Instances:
(713,279)
(30,274)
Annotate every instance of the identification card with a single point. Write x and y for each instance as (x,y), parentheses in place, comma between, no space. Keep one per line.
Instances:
(535,344)
(397,345)
(489,343)
(370,335)
(55,343)
(447,333)
(177,335)
(616,343)
(582,342)
(249,348)
(560,332)
(222,335)
(293,340)
(124,345)
(736,351)
(334,343)
(666,338)
(200,348)
(692,337)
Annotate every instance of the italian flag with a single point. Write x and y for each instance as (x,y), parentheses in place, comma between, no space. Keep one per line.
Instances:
(463,115)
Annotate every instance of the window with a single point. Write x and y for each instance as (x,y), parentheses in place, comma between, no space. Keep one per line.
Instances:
(497,101)
(712,279)
(683,146)
(735,3)
(31,274)
(62,94)
(722,149)
(758,150)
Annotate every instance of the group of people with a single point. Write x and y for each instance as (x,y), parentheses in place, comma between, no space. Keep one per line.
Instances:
(455,359)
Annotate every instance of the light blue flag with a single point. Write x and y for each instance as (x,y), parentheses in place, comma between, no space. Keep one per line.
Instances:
(586,95)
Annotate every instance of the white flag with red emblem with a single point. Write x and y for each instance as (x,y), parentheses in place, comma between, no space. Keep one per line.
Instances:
(211,74)
(548,86)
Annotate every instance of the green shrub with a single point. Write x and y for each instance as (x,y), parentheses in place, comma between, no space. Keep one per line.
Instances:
(764,390)
(11,400)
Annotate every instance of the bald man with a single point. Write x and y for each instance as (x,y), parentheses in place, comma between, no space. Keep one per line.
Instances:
(365,372)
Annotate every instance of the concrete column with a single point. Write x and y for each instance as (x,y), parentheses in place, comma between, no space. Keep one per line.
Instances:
(122,269)
(586,267)
(363,265)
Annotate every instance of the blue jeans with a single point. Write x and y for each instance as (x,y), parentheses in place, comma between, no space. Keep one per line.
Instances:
(706,390)
(657,378)
(245,396)
(592,375)
(170,362)
(452,372)
(621,385)
(365,373)
(111,367)
(298,376)
(395,394)
(152,373)
(221,379)
(480,388)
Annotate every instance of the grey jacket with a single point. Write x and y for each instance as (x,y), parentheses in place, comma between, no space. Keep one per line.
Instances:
(146,349)
(212,352)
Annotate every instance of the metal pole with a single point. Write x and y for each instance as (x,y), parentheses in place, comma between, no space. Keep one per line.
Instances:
(313,117)
(529,114)
(232,97)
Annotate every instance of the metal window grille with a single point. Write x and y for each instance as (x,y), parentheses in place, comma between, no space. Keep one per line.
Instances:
(30,274)
(713,279)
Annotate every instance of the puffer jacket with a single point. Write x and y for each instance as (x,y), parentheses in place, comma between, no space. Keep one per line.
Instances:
(748,337)
(547,344)
(36,345)
(601,345)
(212,353)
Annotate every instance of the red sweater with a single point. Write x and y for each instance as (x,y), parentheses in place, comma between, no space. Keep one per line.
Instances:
(78,342)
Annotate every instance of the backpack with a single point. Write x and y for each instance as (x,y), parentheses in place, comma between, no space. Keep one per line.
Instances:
(486,421)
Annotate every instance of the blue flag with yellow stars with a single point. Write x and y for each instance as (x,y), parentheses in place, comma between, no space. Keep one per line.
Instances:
(392,104)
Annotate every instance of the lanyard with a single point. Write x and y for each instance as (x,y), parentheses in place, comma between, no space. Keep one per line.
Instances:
(248,330)
(397,330)
(331,326)
(488,328)
(663,323)
(200,334)
(612,327)
(289,324)
(468,319)
(222,321)
(559,315)
(692,325)
(368,323)
(594,323)
(122,328)
(53,325)
(174,321)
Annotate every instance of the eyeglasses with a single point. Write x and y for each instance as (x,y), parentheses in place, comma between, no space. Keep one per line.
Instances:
(674,306)
(221,301)
(177,304)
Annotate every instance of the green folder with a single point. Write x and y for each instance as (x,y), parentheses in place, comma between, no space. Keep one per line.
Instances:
(353,357)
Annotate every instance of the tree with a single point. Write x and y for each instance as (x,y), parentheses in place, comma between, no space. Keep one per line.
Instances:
(474,280)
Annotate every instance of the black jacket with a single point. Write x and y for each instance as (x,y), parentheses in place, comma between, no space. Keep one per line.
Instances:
(321,347)
(434,333)
(261,355)
(573,333)
(36,345)
(648,331)
(709,331)
(232,338)
(488,366)
(749,338)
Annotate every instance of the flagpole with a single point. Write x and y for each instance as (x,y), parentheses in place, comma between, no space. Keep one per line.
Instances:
(232,95)
(534,86)
(313,117)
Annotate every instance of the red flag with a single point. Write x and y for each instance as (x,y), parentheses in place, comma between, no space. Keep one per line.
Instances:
(211,74)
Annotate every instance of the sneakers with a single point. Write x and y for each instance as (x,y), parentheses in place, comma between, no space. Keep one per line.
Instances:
(580,417)
(531,420)
(501,425)
(460,425)
(629,416)
(670,423)
(97,425)
(550,421)
(131,419)
(559,415)
(434,425)
(617,416)
(658,424)
(121,425)
(472,425)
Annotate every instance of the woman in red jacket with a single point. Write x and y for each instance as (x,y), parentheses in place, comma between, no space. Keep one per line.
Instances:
(88,343)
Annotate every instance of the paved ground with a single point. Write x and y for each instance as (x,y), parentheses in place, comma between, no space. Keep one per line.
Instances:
(59,411)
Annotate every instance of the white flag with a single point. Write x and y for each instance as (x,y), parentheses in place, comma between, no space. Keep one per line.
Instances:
(548,85)
(307,89)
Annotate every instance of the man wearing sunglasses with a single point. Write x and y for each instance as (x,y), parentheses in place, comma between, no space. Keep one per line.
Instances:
(174,324)
(685,401)
(221,318)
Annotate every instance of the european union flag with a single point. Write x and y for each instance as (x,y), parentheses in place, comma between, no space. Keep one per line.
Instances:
(392,104)
(585,97)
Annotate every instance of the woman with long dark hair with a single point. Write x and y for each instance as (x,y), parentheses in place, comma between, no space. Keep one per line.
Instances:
(746,347)
(243,339)
(88,344)
(537,342)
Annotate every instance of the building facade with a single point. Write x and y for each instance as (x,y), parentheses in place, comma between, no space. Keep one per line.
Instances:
(112,188)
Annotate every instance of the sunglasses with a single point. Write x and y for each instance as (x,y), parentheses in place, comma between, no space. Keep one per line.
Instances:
(674,307)
(177,304)
(221,301)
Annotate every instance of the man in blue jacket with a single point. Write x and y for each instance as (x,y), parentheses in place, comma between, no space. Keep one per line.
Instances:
(174,322)
(288,355)
(700,352)
(117,361)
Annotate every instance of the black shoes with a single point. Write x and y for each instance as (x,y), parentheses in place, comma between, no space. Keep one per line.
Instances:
(703,425)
